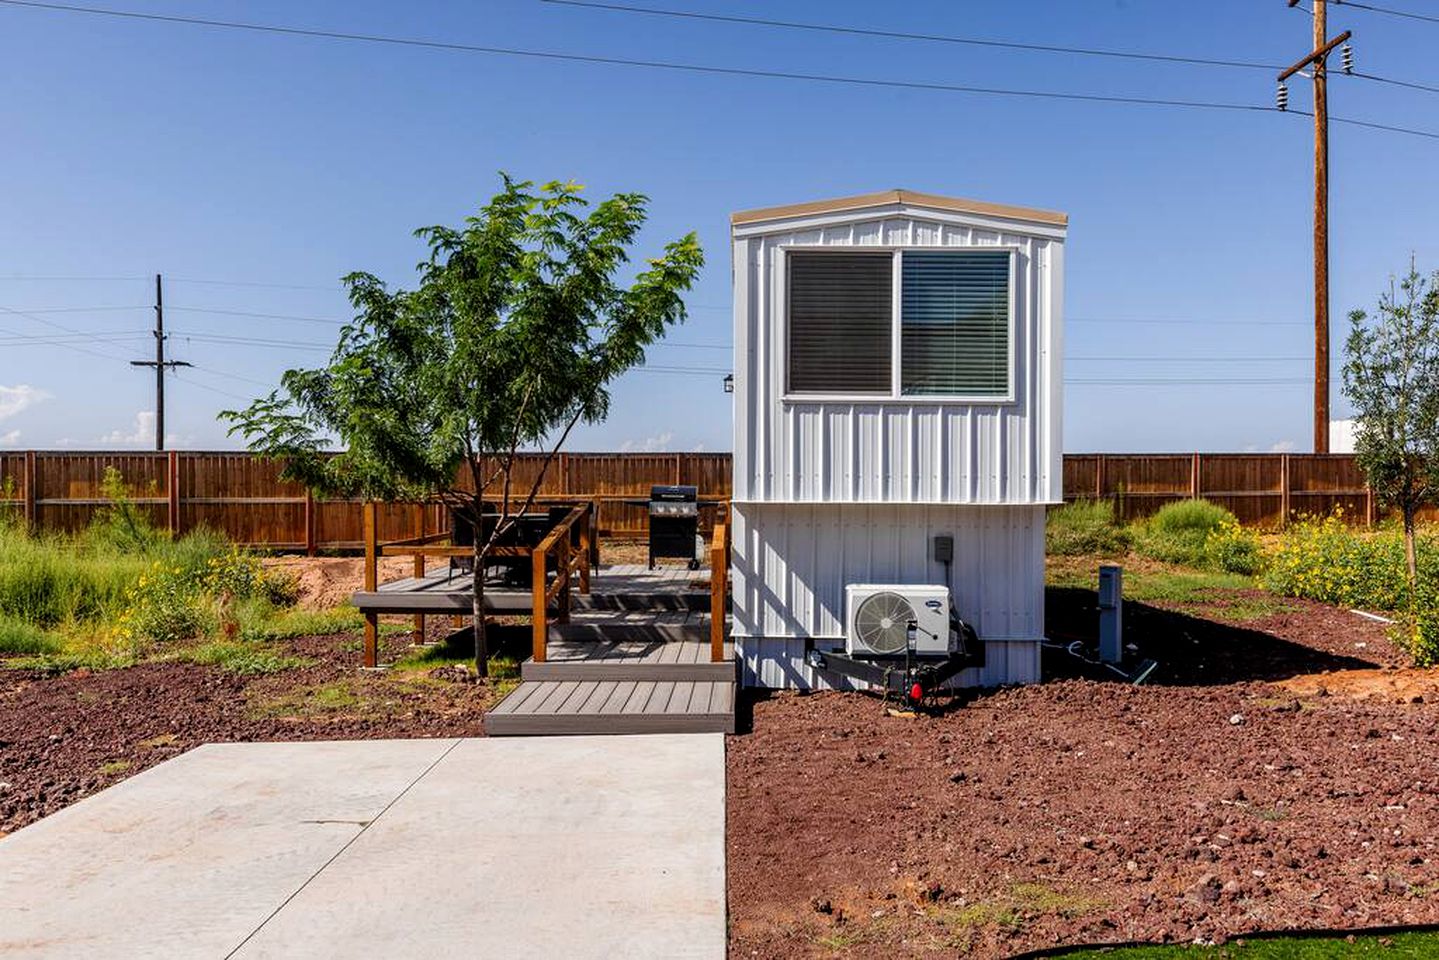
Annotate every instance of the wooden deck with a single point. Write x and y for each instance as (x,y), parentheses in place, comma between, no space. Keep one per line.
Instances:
(571,707)
(621,586)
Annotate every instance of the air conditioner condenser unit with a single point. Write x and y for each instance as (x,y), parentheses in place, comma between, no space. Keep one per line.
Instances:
(878,616)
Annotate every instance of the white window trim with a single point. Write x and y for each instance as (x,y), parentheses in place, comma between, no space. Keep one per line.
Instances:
(895,395)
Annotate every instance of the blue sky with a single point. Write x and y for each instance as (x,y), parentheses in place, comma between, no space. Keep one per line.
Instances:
(136,147)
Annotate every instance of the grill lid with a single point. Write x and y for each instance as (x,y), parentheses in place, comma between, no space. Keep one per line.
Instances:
(681,493)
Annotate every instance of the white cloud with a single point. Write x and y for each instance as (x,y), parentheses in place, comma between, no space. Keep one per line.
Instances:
(655,444)
(11,439)
(142,431)
(19,397)
(1283,446)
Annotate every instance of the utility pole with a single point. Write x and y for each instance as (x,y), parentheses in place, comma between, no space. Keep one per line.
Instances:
(160,364)
(1318,58)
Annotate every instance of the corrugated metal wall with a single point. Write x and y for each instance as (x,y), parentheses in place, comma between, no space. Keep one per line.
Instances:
(884,451)
(791,563)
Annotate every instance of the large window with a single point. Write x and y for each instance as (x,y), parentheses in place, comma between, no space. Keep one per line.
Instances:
(951,323)
(840,326)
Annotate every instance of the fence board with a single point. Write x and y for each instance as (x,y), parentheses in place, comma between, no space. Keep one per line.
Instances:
(243,496)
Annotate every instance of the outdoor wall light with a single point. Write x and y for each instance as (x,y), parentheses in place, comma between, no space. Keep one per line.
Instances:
(729,383)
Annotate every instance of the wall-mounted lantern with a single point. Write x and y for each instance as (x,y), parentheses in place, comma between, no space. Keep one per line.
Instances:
(729,383)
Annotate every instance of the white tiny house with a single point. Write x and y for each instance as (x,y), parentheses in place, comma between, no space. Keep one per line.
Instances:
(897,379)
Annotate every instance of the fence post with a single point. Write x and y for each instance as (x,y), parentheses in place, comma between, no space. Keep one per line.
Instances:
(678,470)
(30,498)
(172,491)
(1284,483)
(418,634)
(311,547)
(1194,476)
(1098,476)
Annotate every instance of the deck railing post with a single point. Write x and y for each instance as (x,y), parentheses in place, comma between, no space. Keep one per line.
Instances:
(372,620)
(719,586)
(538,612)
(418,634)
(562,571)
(586,547)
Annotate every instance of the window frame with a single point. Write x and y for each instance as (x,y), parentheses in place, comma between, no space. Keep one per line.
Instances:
(896,394)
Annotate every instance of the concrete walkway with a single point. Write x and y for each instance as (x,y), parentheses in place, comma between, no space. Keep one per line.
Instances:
(555,847)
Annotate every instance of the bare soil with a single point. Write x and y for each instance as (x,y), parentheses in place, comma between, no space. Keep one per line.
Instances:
(65,737)
(1279,773)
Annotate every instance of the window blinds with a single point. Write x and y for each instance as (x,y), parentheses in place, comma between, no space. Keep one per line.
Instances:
(954,323)
(840,322)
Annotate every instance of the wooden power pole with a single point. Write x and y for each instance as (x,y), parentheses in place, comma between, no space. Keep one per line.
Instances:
(160,364)
(1318,58)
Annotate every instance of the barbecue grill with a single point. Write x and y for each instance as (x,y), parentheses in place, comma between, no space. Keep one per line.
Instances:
(674,524)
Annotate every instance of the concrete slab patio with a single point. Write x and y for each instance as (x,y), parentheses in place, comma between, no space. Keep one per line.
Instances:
(562,846)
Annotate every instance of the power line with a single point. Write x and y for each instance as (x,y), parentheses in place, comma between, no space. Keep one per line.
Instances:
(699,68)
(928,37)
(84,309)
(622,61)
(1408,84)
(1188,359)
(1389,11)
(264,316)
(64,329)
(1179,322)
(254,283)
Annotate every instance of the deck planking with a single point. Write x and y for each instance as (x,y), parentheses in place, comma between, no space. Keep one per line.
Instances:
(614,707)
(628,587)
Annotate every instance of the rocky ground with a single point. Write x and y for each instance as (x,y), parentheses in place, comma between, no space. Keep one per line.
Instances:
(65,737)
(1225,798)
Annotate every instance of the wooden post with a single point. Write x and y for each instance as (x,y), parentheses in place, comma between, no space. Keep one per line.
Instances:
(1321,234)
(172,492)
(1099,476)
(1194,476)
(417,635)
(538,615)
(311,547)
(678,468)
(719,586)
(1284,487)
(372,620)
(30,473)
(586,548)
(1317,60)
(562,571)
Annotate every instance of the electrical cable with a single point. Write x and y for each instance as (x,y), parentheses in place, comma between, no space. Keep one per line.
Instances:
(928,37)
(65,329)
(670,65)
(1388,11)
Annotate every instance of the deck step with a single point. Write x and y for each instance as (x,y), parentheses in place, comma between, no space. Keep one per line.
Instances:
(615,630)
(693,601)
(630,660)
(589,707)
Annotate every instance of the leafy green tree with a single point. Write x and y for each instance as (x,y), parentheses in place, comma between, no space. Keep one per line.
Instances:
(1391,376)
(518,324)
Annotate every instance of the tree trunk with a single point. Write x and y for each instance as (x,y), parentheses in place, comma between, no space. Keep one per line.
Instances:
(482,650)
(1411,558)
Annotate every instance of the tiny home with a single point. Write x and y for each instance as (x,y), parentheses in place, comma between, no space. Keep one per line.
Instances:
(897,421)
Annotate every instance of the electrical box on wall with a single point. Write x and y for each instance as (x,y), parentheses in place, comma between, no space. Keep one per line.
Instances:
(944,548)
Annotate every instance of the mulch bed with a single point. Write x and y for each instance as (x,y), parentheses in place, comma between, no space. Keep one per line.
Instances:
(1211,804)
(65,737)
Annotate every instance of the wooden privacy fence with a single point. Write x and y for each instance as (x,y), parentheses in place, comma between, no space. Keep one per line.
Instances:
(1261,489)
(242,496)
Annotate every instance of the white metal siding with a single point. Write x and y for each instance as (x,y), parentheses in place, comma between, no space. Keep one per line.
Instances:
(791,563)
(896,450)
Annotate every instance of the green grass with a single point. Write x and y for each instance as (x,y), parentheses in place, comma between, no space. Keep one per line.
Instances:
(243,657)
(1400,946)
(261,621)
(1221,596)
(1084,527)
(1178,531)
(19,637)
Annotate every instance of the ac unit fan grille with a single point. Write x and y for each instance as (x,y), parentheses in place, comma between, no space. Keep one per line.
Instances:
(881,624)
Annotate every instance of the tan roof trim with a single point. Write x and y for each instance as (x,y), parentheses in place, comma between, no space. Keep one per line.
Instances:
(888,197)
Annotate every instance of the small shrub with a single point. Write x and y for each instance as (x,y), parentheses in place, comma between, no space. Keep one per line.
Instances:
(237,575)
(163,608)
(1233,549)
(1084,527)
(1179,531)
(1418,632)
(1323,559)
(259,624)
(121,524)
